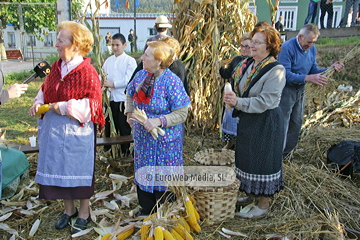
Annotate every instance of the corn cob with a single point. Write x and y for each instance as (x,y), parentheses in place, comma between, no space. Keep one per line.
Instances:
(158,233)
(124,235)
(144,231)
(140,116)
(176,235)
(191,198)
(183,232)
(191,218)
(227,89)
(150,238)
(42,109)
(167,235)
(183,222)
(197,215)
(107,236)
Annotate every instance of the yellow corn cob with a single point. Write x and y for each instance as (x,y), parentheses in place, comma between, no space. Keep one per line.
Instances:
(144,231)
(167,235)
(124,235)
(42,109)
(191,198)
(158,233)
(176,235)
(183,232)
(197,215)
(191,218)
(107,237)
(183,222)
(150,238)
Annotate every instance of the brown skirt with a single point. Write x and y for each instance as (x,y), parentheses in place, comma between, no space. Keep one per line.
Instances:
(54,192)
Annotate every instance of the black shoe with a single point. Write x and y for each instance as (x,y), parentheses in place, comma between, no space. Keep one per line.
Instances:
(65,219)
(80,224)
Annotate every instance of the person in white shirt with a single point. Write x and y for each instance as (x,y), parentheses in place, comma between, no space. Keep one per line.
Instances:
(118,68)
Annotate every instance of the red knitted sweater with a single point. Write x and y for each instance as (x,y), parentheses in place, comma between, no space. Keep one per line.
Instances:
(82,82)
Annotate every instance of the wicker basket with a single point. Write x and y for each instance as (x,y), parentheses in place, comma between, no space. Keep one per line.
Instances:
(216,203)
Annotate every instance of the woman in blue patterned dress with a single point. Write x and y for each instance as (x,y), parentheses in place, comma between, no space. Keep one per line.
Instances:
(161,94)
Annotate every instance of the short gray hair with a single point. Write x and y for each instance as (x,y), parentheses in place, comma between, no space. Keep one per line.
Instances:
(309,28)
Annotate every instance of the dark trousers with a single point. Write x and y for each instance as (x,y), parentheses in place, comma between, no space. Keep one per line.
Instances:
(292,105)
(132,45)
(148,201)
(326,8)
(121,126)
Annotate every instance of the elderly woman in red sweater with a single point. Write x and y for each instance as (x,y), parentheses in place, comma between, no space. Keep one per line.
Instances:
(67,132)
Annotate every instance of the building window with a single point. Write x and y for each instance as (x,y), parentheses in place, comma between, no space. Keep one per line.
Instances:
(32,40)
(11,39)
(290,16)
(49,40)
(152,31)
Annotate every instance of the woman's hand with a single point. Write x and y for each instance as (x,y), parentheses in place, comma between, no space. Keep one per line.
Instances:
(230,99)
(152,123)
(33,110)
(128,119)
(55,107)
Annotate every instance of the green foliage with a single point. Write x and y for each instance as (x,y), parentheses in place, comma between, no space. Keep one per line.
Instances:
(76,6)
(145,6)
(38,19)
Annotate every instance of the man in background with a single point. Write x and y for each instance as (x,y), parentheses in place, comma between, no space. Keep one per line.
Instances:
(326,6)
(298,56)
(162,26)
(312,11)
(279,25)
(132,40)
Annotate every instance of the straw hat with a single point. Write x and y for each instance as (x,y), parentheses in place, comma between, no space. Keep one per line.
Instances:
(162,22)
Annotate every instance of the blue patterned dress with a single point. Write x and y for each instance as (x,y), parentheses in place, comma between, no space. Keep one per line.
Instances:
(169,94)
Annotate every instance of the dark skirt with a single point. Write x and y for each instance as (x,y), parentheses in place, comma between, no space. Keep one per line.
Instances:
(54,192)
(259,147)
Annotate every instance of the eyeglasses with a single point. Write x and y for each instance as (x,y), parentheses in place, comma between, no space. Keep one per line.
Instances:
(257,42)
(244,46)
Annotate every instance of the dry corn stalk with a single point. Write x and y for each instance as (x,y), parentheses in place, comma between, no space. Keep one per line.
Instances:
(140,116)
(209,32)
(355,52)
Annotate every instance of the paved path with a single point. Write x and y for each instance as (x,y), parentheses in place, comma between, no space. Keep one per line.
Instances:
(17,66)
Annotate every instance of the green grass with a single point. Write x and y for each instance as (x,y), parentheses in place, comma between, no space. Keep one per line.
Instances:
(14,115)
(342,41)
